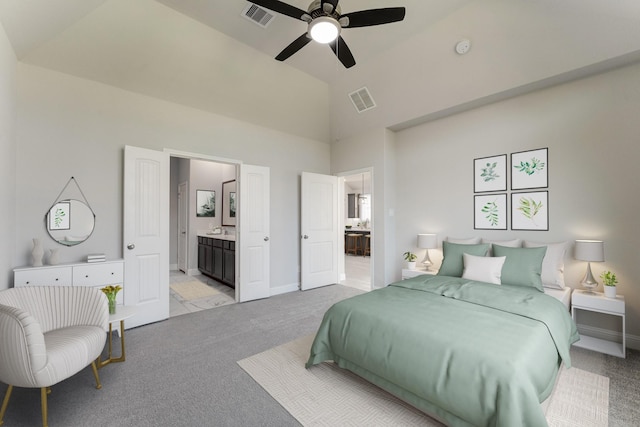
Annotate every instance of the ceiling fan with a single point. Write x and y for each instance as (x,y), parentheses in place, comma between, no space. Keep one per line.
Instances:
(325,21)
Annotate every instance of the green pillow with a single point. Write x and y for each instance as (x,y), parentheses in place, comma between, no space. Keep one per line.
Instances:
(453,264)
(522,266)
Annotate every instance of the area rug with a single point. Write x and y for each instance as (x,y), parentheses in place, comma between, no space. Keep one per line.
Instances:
(193,289)
(328,396)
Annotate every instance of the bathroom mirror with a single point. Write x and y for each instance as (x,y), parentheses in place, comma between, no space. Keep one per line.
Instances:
(70,222)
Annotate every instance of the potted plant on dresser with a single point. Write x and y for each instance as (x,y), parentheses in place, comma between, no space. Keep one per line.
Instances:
(609,281)
(410,258)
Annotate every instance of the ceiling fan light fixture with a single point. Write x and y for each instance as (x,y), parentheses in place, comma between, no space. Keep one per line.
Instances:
(324,29)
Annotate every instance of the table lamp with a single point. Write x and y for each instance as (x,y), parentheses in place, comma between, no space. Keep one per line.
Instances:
(427,241)
(590,251)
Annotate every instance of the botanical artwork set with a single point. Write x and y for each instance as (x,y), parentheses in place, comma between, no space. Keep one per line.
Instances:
(529,209)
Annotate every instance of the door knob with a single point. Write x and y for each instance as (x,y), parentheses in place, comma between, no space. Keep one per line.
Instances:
(266,239)
(305,237)
(131,246)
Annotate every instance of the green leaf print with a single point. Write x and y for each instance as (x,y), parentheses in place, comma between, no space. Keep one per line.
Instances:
(491,211)
(530,167)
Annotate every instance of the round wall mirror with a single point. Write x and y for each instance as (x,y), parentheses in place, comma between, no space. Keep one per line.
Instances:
(70,222)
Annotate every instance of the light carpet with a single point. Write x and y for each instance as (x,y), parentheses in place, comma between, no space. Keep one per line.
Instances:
(328,396)
(193,289)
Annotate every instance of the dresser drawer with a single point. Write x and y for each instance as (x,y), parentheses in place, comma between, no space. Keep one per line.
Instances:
(50,276)
(98,274)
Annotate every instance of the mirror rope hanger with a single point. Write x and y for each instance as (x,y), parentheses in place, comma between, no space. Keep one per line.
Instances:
(81,193)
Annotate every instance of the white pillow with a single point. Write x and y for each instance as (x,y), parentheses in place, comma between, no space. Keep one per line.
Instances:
(552,274)
(469,241)
(483,269)
(514,243)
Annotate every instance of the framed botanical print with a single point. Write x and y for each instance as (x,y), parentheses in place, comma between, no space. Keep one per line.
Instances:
(60,216)
(490,212)
(205,203)
(530,211)
(490,174)
(530,169)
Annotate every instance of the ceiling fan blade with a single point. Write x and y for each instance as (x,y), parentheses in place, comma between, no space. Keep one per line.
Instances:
(343,52)
(333,3)
(295,46)
(368,18)
(280,7)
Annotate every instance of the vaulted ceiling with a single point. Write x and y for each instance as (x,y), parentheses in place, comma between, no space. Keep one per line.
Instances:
(410,67)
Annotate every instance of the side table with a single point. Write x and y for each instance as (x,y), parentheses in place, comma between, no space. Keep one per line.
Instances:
(597,302)
(122,313)
(408,274)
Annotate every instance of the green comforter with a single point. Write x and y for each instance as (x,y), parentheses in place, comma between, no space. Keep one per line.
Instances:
(470,353)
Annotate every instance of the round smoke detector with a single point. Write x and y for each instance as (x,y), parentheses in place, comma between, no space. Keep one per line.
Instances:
(463,46)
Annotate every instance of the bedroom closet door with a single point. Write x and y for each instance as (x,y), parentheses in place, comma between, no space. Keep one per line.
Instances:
(319,226)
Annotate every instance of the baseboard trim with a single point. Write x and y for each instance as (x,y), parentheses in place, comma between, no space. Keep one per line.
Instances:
(632,341)
(193,272)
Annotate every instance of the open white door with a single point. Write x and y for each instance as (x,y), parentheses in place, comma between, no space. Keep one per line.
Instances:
(319,226)
(183,240)
(146,234)
(254,233)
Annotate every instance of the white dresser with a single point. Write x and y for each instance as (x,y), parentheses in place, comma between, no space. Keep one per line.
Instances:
(96,274)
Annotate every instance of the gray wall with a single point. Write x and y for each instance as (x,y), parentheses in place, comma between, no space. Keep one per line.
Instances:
(69,126)
(7,159)
(592,130)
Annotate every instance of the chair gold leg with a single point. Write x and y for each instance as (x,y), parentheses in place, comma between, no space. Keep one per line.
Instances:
(94,367)
(5,403)
(43,403)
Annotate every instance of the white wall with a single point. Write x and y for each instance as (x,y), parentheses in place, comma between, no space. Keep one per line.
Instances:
(7,159)
(69,126)
(592,130)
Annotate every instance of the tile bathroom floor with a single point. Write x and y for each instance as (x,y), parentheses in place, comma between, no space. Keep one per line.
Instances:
(179,306)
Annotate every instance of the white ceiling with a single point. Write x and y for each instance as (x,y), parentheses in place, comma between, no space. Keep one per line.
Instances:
(410,66)
(30,24)
(315,59)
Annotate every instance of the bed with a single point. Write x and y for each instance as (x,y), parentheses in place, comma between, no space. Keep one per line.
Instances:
(465,351)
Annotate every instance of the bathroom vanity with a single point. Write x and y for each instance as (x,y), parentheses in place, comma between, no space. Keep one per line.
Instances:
(217,257)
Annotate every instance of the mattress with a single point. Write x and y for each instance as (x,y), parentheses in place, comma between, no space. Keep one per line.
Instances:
(563,295)
(468,353)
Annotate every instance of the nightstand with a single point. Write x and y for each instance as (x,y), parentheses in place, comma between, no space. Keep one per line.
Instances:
(597,302)
(407,274)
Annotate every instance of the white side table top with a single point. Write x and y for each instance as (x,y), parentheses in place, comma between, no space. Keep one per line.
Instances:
(122,312)
(597,301)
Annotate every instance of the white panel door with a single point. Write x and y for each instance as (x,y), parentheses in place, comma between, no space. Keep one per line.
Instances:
(183,242)
(146,234)
(254,233)
(319,225)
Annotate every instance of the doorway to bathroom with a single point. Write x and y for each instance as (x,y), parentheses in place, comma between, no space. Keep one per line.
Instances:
(357,217)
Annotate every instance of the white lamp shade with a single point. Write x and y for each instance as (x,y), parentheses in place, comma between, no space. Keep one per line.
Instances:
(324,29)
(427,241)
(589,250)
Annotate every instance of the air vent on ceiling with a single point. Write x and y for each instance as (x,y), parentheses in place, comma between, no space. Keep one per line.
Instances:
(257,15)
(362,100)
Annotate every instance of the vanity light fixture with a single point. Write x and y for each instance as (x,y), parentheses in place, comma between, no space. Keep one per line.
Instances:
(427,241)
(590,251)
